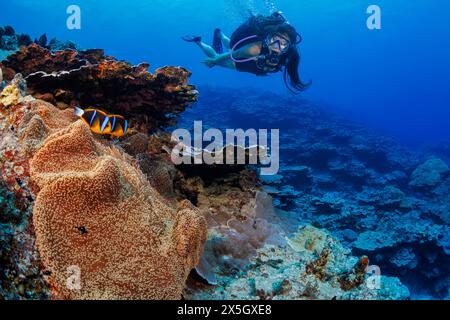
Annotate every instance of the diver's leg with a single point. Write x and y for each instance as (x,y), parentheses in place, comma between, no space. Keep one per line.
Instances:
(220,41)
(208,50)
(225,41)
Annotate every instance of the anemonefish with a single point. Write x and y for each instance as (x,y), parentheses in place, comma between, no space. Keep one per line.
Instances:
(102,123)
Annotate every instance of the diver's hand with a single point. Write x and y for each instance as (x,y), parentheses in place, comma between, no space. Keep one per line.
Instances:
(210,62)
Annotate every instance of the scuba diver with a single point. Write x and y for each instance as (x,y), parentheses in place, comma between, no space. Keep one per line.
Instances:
(262,45)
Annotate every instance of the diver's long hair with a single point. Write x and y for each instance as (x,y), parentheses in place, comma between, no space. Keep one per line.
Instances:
(291,63)
(291,74)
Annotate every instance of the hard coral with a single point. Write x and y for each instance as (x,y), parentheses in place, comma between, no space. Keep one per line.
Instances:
(96,211)
(14,93)
(89,78)
(428,174)
(325,271)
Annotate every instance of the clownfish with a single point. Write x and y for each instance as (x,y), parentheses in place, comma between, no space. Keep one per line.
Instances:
(102,123)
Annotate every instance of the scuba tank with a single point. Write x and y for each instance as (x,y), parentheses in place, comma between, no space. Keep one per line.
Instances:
(256,26)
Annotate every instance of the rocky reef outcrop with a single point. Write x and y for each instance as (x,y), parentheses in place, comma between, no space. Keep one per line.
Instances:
(91,79)
(344,201)
(50,165)
(11,41)
(142,216)
(375,196)
(313,265)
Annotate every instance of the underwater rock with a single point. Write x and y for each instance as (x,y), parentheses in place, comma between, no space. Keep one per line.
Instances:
(136,144)
(309,240)
(95,80)
(8,31)
(33,58)
(285,272)
(444,242)
(368,174)
(330,203)
(237,229)
(428,174)
(24,40)
(20,275)
(42,41)
(399,229)
(57,45)
(139,248)
(351,171)
(9,43)
(14,93)
(405,258)
(240,217)
(442,149)
(389,197)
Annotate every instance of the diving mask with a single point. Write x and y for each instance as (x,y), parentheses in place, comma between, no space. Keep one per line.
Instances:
(278,44)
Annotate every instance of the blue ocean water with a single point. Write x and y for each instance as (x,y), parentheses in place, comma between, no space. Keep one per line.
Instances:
(394,79)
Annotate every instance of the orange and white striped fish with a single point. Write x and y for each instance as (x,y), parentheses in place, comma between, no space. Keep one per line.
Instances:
(102,123)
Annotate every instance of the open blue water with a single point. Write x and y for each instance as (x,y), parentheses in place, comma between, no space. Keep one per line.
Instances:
(395,79)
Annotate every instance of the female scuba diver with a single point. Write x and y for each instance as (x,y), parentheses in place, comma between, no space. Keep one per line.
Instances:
(261,45)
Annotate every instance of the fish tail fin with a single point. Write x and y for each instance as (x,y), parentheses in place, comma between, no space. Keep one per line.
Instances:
(78,111)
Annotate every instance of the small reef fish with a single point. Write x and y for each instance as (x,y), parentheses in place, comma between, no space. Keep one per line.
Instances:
(102,123)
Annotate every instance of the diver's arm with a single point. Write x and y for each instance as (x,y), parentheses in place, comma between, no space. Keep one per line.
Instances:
(221,58)
(248,51)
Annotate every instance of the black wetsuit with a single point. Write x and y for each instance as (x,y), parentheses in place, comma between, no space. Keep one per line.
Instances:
(256,25)
(259,68)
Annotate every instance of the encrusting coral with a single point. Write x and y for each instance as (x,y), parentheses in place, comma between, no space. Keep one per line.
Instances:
(97,212)
(91,79)
(313,265)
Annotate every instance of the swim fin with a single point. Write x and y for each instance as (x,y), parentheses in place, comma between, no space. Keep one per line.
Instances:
(217,41)
(192,39)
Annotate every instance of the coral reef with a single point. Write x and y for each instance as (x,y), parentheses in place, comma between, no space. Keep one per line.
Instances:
(313,266)
(132,245)
(10,41)
(91,79)
(353,182)
(429,174)
(20,276)
(167,238)
(133,225)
